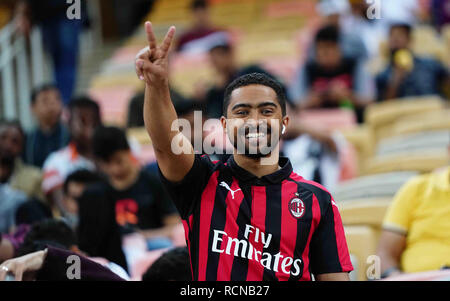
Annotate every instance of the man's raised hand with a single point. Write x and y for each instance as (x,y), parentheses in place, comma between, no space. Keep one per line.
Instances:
(152,62)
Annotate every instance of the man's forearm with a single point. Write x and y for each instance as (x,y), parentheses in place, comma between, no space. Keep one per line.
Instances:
(159,114)
(160,117)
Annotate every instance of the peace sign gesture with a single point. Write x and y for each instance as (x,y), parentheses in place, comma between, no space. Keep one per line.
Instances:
(151,62)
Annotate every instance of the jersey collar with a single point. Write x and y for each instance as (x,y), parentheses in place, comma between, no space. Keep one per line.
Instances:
(274,178)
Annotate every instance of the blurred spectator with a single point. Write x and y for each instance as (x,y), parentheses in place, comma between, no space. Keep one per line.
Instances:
(174,265)
(416,228)
(202,33)
(136,107)
(13,171)
(57,234)
(335,13)
(400,11)
(73,188)
(10,243)
(140,204)
(6,249)
(32,211)
(186,111)
(332,80)
(84,118)
(136,111)
(370,31)
(60,36)
(48,232)
(440,13)
(50,134)
(408,74)
(314,152)
(132,200)
(10,200)
(129,14)
(224,62)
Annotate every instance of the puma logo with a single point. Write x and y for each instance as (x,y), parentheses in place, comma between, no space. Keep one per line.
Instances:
(223,184)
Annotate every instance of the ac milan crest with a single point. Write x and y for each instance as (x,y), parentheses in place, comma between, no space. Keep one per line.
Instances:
(296,207)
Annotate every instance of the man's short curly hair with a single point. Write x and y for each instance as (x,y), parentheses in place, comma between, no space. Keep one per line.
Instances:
(255,79)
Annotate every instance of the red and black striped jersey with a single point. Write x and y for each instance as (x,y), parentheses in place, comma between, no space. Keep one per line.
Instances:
(240,227)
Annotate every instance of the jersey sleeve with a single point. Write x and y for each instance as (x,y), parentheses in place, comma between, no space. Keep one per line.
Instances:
(187,193)
(329,251)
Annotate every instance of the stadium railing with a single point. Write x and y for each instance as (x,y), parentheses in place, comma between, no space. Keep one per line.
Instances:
(17,75)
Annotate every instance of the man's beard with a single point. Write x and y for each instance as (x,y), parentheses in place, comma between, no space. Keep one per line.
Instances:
(262,149)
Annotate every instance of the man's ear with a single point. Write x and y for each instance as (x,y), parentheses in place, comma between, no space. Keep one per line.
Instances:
(223,121)
(285,121)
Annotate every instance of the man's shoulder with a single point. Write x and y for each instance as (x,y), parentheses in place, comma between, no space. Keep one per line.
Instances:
(319,191)
(57,157)
(422,183)
(30,170)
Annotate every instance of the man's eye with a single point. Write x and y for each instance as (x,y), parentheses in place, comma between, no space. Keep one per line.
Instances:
(267,111)
(241,113)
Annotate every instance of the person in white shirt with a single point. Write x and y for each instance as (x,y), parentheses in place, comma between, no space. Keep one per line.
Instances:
(84,118)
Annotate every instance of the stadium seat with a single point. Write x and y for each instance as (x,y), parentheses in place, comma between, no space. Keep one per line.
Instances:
(369,212)
(441,275)
(362,242)
(421,161)
(427,42)
(383,185)
(113,103)
(147,154)
(362,139)
(140,134)
(427,140)
(113,81)
(330,119)
(383,114)
(431,121)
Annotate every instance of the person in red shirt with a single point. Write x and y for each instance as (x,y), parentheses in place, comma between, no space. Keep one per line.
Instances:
(198,37)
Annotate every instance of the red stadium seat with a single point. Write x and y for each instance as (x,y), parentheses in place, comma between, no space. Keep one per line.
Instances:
(113,103)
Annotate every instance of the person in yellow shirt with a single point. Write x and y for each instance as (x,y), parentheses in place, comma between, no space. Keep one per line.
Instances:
(416,228)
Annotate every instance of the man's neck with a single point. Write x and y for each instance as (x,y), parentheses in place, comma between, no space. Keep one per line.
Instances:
(258,166)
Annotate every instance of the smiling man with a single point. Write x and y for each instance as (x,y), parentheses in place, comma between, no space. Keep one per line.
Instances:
(250,218)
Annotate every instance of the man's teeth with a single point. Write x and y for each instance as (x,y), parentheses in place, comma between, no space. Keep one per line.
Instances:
(255,135)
